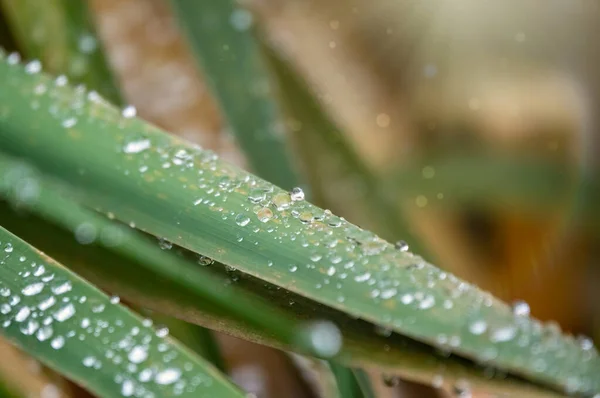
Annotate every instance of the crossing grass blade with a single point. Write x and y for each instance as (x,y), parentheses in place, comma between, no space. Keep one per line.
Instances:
(71,326)
(218,34)
(190,197)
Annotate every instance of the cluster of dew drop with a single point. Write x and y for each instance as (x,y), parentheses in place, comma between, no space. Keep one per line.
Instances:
(413,297)
(47,309)
(346,258)
(385,274)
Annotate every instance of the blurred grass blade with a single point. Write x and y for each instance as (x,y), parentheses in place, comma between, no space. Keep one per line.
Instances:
(53,203)
(329,157)
(535,185)
(217,32)
(364,381)
(76,329)
(190,197)
(61,34)
(346,381)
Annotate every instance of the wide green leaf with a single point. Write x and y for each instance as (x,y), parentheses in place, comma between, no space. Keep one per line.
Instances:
(190,197)
(73,327)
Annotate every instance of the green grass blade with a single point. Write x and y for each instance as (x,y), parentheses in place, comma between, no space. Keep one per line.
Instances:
(489,179)
(362,346)
(197,201)
(61,34)
(53,203)
(74,328)
(217,32)
(363,380)
(346,381)
(329,156)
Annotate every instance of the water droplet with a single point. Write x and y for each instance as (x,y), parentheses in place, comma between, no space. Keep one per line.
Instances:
(64,313)
(33,289)
(241,19)
(162,332)
(293,268)
(70,122)
(57,342)
(30,327)
(22,314)
(242,220)
(297,194)
(164,244)
(167,376)
(137,354)
(115,299)
(62,288)
(203,260)
(427,302)
(264,214)
(281,201)
(407,299)
(129,111)
(401,245)
(89,361)
(85,233)
(325,338)
(8,248)
(256,195)
(127,388)
(33,67)
(363,277)
(520,308)
(585,343)
(502,334)
(47,303)
(388,293)
(87,44)
(44,333)
(478,327)
(137,146)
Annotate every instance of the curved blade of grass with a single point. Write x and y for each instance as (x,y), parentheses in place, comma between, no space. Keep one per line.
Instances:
(74,328)
(362,347)
(541,184)
(363,380)
(61,34)
(346,381)
(228,55)
(190,197)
